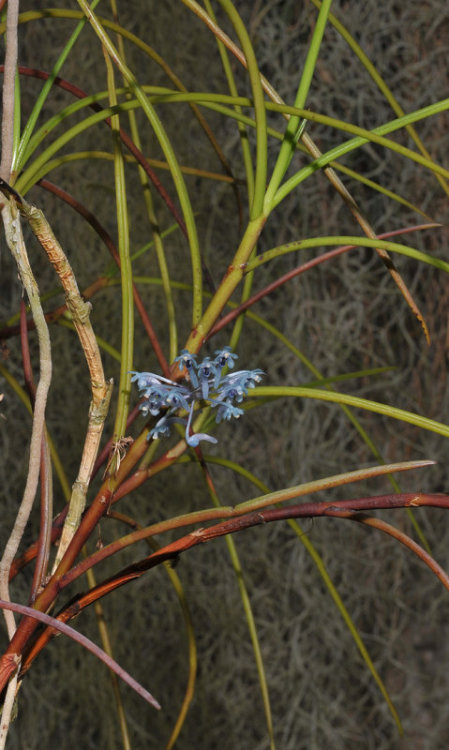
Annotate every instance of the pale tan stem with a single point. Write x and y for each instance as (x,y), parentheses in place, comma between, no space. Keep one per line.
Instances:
(8,709)
(101,390)
(14,238)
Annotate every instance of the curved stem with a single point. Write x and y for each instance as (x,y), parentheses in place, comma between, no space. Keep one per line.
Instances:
(169,153)
(46,506)
(260,176)
(56,624)
(14,238)
(339,509)
(295,127)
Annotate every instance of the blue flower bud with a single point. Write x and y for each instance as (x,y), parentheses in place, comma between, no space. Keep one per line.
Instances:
(205,370)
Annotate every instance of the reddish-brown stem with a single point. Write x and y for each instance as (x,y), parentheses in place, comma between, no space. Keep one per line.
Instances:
(141,475)
(27,626)
(93,514)
(21,562)
(238,520)
(10,331)
(329,255)
(29,555)
(348,509)
(45,527)
(239,523)
(387,528)
(26,359)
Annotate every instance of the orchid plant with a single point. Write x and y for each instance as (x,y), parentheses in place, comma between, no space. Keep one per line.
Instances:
(171,161)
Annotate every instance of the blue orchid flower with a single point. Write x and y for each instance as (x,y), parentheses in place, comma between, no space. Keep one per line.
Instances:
(154,401)
(148,379)
(226,411)
(178,399)
(187,360)
(223,357)
(205,371)
(206,383)
(160,429)
(236,384)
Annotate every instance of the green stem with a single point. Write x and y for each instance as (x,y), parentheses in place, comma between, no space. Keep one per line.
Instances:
(21,154)
(169,155)
(354,240)
(293,131)
(127,346)
(360,403)
(259,108)
(228,285)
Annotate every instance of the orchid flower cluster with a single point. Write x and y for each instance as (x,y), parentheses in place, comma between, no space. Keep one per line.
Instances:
(205,383)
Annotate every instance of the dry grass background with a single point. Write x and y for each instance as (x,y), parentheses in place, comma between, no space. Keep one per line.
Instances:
(343,316)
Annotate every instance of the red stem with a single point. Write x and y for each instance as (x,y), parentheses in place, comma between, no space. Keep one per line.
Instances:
(237,520)
(302,269)
(29,555)
(348,509)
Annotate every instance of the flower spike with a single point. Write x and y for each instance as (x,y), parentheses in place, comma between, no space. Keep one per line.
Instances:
(206,383)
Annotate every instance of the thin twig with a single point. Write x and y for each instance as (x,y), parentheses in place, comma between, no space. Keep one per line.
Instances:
(55,624)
